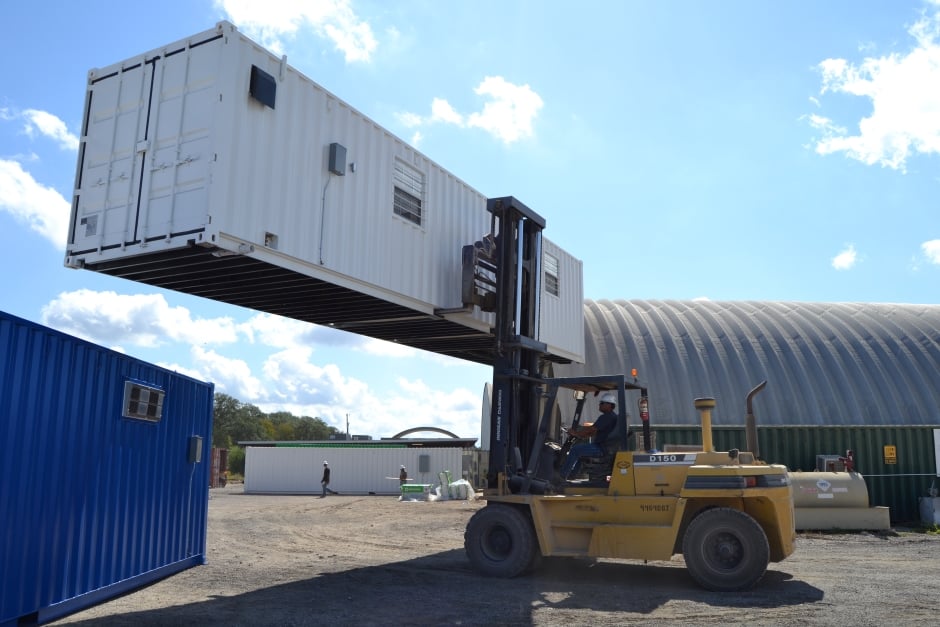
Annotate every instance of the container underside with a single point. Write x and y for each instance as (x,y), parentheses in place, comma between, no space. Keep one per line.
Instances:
(257,285)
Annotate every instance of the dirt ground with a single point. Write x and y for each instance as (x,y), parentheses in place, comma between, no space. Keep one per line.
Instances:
(372,560)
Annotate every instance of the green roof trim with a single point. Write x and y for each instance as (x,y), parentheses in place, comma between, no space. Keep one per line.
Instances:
(364,444)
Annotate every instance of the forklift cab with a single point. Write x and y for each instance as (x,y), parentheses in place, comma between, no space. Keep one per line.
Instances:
(598,469)
(547,455)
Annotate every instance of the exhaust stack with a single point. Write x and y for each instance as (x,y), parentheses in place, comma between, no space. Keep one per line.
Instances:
(705,406)
(750,421)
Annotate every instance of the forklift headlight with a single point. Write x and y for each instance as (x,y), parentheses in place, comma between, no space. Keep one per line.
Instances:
(716,483)
(773,481)
(737,482)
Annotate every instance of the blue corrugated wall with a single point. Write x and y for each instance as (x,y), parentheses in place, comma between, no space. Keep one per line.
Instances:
(92,503)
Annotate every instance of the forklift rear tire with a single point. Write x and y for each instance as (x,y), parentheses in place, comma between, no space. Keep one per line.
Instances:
(725,550)
(500,541)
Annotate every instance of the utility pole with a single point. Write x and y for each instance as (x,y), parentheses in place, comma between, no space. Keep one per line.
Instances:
(348,437)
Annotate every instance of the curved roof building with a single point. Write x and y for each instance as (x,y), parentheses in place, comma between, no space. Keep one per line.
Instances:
(825,363)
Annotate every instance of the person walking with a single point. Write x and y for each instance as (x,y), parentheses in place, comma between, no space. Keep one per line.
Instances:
(403,476)
(325,481)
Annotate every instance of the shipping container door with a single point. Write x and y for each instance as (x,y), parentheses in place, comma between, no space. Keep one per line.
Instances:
(145,158)
(110,162)
(185,98)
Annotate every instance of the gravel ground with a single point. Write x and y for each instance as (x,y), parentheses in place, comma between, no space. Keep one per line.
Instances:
(372,560)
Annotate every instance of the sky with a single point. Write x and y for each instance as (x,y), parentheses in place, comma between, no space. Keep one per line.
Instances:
(732,150)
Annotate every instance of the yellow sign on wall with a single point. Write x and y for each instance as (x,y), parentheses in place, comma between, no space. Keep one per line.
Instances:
(891,454)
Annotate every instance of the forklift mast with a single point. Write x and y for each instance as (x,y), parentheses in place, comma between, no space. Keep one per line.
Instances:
(516,368)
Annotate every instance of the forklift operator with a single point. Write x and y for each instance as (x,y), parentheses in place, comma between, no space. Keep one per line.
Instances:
(600,430)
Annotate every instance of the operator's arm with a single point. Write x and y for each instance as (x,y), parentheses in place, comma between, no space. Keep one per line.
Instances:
(584,431)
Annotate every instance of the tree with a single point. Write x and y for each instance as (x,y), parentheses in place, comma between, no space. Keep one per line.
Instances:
(236,422)
(225,410)
(247,426)
(313,429)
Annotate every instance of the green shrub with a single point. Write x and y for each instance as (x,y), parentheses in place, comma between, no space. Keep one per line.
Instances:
(236,460)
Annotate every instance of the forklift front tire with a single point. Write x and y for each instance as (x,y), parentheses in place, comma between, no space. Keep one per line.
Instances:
(500,541)
(725,550)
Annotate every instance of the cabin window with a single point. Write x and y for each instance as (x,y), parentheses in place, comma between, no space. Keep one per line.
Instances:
(409,193)
(550,263)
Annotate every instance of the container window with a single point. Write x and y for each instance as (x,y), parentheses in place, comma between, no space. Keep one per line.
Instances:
(142,402)
(409,193)
(550,263)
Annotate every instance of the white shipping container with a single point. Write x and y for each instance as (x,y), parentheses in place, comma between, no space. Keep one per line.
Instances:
(368,470)
(212,167)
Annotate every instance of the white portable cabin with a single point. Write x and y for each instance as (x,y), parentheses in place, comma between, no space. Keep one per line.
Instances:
(211,167)
(354,470)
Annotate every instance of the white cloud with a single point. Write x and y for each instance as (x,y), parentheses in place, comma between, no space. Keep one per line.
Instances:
(49,125)
(382,348)
(846,259)
(276,331)
(36,122)
(442,111)
(409,120)
(932,251)
(457,411)
(306,383)
(145,320)
(273,21)
(904,119)
(189,372)
(286,380)
(508,114)
(303,388)
(41,208)
(231,376)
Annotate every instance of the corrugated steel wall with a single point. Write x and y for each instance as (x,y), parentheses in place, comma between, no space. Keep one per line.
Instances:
(92,503)
(895,485)
(560,316)
(825,363)
(321,218)
(298,469)
(222,169)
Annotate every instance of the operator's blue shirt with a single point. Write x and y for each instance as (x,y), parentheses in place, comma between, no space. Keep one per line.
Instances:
(604,424)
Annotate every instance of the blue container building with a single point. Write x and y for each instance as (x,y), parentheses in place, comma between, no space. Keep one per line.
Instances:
(104,472)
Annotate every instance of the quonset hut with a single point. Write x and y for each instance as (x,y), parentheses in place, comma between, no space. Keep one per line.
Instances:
(841,376)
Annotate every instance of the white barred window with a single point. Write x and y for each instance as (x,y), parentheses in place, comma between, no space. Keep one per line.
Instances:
(409,193)
(550,263)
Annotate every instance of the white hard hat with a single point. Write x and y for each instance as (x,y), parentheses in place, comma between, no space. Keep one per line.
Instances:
(608,398)
(324,463)
(402,465)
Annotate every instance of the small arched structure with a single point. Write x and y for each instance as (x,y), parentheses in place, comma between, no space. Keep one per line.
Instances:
(421,429)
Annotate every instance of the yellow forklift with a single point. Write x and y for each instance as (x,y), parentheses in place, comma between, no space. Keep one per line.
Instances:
(728,513)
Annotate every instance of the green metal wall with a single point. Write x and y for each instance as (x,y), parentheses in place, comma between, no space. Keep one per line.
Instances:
(895,485)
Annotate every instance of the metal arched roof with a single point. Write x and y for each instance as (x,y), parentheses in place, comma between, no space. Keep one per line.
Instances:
(825,363)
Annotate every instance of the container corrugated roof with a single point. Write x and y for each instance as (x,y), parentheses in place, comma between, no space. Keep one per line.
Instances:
(825,363)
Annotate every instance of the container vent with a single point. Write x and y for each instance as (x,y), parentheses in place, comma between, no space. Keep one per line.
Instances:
(142,402)
(262,87)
